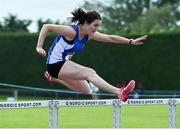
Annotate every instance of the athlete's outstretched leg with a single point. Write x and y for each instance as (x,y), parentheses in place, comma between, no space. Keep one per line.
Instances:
(74,71)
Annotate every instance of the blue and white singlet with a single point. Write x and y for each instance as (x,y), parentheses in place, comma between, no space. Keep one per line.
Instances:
(62,49)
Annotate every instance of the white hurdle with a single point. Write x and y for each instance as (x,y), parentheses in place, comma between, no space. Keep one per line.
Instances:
(55,105)
(85,103)
(117,107)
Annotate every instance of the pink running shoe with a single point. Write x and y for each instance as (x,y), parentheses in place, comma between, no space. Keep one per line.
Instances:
(125,91)
(48,77)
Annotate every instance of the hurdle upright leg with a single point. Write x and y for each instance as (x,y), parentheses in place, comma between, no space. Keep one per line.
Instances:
(51,114)
(172,114)
(55,116)
(116,114)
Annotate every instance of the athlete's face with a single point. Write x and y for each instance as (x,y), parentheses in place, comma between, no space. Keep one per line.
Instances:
(92,27)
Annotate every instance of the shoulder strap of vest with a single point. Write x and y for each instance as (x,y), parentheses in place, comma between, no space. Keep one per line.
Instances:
(75,27)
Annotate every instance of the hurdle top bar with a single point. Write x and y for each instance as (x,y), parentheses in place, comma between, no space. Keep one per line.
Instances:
(78,103)
(151,101)
(30,104)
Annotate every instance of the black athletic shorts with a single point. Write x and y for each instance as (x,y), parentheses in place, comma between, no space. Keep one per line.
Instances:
(53,69)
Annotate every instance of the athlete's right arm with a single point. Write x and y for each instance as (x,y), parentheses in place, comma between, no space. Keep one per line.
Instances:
(63,30)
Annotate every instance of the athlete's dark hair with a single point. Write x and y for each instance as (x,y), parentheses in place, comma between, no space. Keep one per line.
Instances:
(80,16)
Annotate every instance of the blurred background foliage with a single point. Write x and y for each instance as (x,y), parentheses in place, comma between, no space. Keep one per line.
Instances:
(138,16)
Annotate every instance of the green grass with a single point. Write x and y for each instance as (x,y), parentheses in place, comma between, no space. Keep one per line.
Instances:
(89,117)
(24,118)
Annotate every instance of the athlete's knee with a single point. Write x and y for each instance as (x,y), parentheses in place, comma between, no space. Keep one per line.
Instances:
(91,72)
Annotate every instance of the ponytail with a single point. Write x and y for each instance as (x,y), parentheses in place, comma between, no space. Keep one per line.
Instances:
(80,16)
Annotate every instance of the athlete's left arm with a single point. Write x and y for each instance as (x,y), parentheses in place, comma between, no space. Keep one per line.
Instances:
(117,39)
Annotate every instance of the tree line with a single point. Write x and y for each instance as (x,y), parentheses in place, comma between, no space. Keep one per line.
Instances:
(119,16)
(12,23)
(142,16)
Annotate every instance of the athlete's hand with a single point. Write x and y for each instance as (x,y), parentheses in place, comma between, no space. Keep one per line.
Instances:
(41,51)
(139,40)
